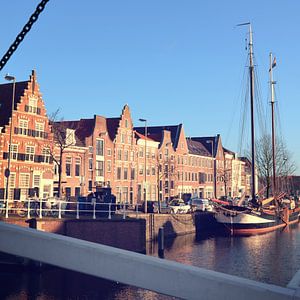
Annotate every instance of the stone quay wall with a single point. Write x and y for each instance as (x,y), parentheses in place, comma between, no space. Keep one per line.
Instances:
(129,234)
(173,224)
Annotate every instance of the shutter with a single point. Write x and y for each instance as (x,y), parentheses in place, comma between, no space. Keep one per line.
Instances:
(5,155)
(17,194)
(2,193)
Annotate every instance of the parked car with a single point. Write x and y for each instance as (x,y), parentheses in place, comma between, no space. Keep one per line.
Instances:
(198,204)
(178,206)
(164,207)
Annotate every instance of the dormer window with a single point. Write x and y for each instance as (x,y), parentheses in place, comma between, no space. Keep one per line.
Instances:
(70,137)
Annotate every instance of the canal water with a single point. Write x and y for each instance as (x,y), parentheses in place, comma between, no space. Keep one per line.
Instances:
(270,258)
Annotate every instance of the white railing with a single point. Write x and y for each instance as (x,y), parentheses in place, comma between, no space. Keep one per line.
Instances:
(59,208)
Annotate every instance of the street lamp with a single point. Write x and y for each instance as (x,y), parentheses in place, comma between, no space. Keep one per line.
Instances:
(145,171)
(7,170)
(213,164)
(183,159)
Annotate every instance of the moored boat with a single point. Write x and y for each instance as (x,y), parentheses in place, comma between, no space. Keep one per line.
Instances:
(259,217)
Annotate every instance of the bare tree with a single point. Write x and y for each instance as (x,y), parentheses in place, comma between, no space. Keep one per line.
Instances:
(63,139)
(264,161)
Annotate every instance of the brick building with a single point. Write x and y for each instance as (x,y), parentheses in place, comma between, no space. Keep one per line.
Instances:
(31,165)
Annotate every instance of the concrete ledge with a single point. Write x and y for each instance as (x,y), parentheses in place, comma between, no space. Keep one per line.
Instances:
(166,277)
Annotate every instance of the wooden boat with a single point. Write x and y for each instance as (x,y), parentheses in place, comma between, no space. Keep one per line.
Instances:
(260,216)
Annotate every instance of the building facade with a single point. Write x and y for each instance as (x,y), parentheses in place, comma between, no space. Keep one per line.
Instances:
(27,132)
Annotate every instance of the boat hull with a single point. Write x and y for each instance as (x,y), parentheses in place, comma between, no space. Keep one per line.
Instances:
(252,223)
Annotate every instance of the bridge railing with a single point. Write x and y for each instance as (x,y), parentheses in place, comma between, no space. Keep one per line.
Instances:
(151,273)
(59,208)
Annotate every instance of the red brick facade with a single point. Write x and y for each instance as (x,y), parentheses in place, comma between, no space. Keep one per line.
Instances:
(31,166)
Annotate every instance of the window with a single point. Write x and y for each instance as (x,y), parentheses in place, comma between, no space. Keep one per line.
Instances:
(131,156)
(172,184)
(126,123)
(90,149)
(119,170)
(68,192)
(36,180)
(141,152)
(141,170)
(132,174)
(29,153)
(39,129)
(109,166)
(123,138)
(166,152)
(109,152)
(23,127)
(153,154)
(125,173)
(14,151)
(77,191)
(126,155)
(46,155)
(90,163)
(153,170)
(90,185)
(24,180)
(68,166)
(99,168)
(99,147)
(119,154)
(148,171)
(77,166)
(24,185)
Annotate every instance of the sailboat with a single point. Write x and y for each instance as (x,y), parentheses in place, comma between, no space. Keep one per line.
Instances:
(259,217)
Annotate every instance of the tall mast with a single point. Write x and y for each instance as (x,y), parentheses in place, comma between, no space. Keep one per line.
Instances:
(251,71)
(273,123)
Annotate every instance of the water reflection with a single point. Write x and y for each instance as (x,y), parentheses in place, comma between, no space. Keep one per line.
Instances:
(271,258)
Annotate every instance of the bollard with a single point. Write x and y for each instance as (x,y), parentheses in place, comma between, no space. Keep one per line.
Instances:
(94,210)
(59,209)
(41,207)
(28,209)
(77,211)
(161,246)
(109,211)
(124,212)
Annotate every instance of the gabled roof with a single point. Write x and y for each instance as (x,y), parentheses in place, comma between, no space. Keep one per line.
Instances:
(208,142)
(155,132)
(6,91)
(112,125)
(197,148)
(62,127)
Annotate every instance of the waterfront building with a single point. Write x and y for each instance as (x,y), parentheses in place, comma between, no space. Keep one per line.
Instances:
(83,155)
(27,131)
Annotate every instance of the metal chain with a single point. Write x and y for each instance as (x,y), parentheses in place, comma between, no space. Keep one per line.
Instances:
(22,34)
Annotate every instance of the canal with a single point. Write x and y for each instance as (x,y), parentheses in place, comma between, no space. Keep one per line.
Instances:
(270,258)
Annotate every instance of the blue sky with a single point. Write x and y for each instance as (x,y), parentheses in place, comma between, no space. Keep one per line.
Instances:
(171,61)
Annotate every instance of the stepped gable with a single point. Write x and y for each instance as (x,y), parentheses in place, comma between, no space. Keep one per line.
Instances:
(112,125)
(6,91)
(156,132)
(197,148)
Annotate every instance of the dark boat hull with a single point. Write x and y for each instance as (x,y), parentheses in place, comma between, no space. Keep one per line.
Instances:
(248,223)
